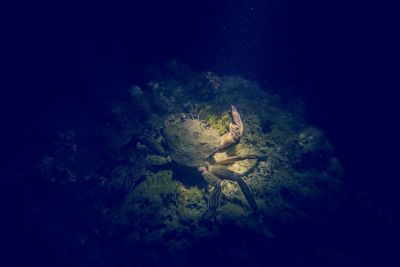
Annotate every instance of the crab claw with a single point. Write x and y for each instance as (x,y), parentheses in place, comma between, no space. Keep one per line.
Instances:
(215,195)
(233,109)
(236,117)
(235,130)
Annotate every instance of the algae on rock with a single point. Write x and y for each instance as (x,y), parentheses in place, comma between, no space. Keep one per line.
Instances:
(299,178)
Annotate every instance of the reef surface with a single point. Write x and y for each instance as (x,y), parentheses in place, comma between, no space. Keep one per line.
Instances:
(130,212)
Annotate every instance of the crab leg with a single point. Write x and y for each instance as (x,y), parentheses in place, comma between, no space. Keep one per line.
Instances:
(215,196)
(233,159)
(225,173)
(152,144)
(132,178)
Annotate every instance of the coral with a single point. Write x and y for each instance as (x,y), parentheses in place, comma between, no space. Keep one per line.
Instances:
(314,150)
(311,139)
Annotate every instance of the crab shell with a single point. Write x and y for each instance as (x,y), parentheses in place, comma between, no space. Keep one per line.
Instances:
(190,141)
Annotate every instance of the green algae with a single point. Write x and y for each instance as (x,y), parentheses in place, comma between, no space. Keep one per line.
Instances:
(221,123)
(158,188)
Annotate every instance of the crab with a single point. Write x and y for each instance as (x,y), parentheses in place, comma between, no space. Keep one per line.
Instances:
(192,143)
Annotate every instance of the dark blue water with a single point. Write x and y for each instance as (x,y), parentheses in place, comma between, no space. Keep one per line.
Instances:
(339,58)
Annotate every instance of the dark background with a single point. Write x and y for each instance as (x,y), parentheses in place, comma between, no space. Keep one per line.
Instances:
(340,57)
